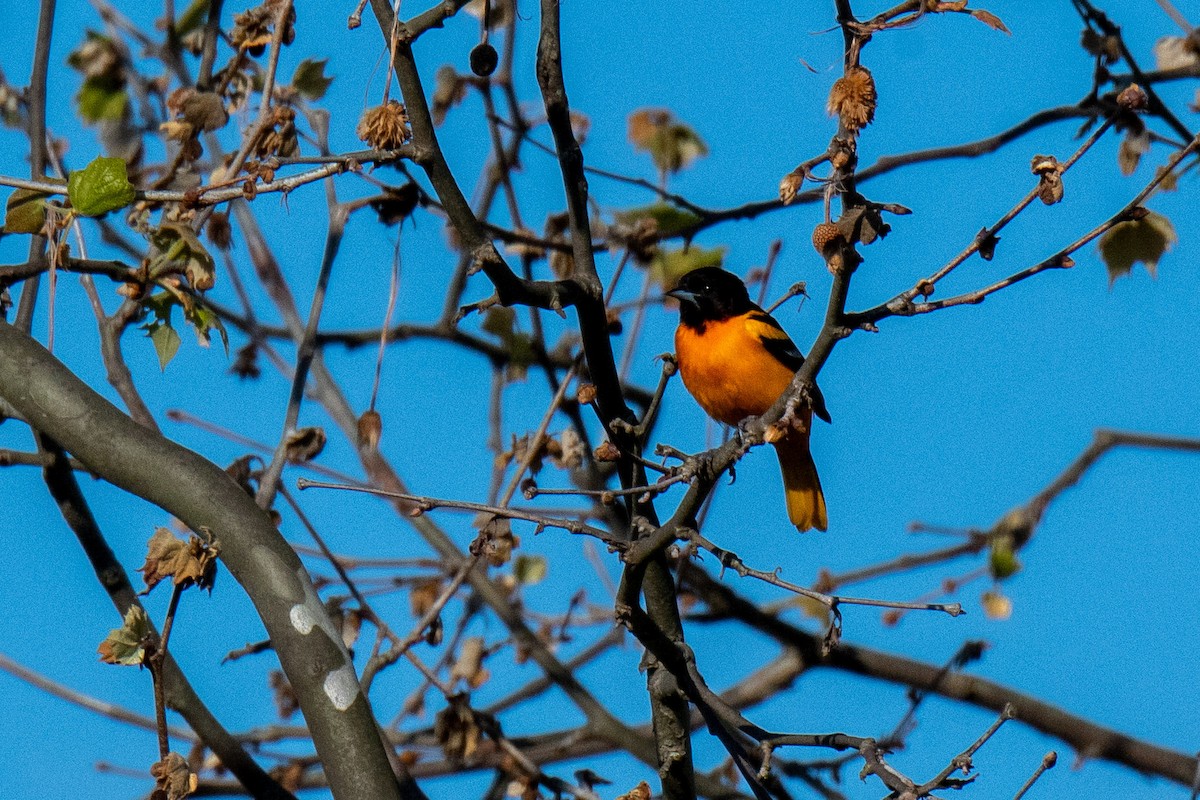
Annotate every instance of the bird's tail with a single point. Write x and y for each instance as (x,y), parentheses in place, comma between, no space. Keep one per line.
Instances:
(801,486)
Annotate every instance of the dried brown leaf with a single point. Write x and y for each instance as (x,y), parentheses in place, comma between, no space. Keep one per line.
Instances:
(289,776)
(996,605)
(173,779)
(305,444)
(351,627)
(370,429)
(1133,147)
(991,20)
(205,111)
(1175,52)
(1143,240)
(570,450)
(468,667)
(639,792)
(423,595)
(186,563)
(449,89)
(456,729)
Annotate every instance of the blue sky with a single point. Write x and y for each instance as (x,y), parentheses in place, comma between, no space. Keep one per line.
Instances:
(950,418)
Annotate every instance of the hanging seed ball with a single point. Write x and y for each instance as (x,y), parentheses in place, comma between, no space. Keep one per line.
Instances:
(825,236)
(828,241)
(384,127)
(853,98)
(484,59)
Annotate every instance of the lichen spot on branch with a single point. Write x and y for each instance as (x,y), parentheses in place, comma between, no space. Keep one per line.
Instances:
(311,614)
(341,687)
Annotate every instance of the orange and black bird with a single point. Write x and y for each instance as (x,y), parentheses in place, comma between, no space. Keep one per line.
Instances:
(736,360)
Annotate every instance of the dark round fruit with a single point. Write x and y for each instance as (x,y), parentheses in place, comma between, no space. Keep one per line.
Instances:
(484,59)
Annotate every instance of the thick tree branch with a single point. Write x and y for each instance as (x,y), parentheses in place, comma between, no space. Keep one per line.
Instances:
(180,696)
(201,494)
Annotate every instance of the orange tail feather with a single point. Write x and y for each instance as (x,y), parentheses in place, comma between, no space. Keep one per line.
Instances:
(801,485)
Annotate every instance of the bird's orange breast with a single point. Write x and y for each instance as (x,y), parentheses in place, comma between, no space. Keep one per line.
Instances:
(727,369)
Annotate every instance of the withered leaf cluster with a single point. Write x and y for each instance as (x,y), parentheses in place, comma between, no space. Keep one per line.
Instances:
(173,778)
(127,644)
(187,563)
(253,29)
(457,730)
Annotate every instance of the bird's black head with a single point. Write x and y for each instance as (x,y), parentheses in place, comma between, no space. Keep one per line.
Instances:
(710,294)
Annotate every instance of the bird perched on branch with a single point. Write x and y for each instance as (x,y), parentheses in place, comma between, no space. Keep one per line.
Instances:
(736,360)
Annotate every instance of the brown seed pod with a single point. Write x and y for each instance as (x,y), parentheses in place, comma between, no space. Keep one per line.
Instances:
(384,127)
(789,186)
(1133,98)
(826,236)
(607,451)
(1050,185)
(853,98)
(829,241)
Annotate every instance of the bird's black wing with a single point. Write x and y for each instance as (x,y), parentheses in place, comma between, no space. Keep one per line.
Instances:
(776,341)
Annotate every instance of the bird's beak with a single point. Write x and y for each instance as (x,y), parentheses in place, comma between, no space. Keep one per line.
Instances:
(684,296)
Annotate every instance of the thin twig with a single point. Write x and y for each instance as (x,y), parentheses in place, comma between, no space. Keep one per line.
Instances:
(422,504)
(306,352)
(104,709)
(731,560)
(1048,762)
(155,663)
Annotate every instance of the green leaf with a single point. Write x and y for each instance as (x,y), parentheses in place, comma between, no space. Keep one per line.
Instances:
(162,334)
(676,146)
(1003,560)
(25,212)
(123,645)
(498,321)
(520,349)
(670,220)
(166,342)
(672,144)
(101,99)
(1144,240)
(520,356)
(529,570)
(204,320)
(309,78)
(100,187)
(668,266)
